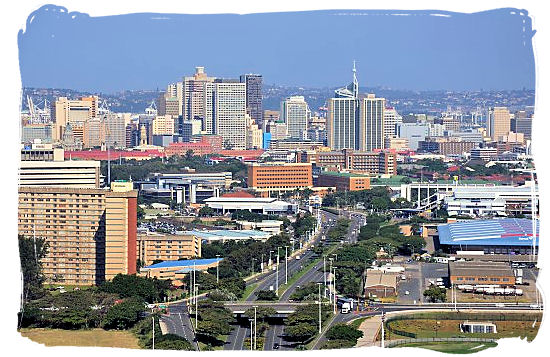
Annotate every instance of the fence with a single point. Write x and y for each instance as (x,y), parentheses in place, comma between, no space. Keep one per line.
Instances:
(405,341)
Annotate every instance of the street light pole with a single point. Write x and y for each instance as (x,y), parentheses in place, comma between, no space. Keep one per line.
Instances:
(196,306)
(277,275)
(334,278)
(270,258)
(153,317)
(255,327)
(319,284)
(383,337)
(251,322)
(325,274)
(286,264)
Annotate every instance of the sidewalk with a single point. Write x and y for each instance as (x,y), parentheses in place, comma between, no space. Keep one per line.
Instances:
(370,328)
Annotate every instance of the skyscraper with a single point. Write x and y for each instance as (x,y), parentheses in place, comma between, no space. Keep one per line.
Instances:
(194,93)
(391,118)
(498,122)
(295,113)
(253,96)
(229,112)
(371,123)
(343,116)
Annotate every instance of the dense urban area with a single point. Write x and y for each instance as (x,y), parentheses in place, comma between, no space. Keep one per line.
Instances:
(225,214)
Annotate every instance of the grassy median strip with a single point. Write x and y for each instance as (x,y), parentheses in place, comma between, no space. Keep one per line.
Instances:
(452,347)
(294,278)
(248,291)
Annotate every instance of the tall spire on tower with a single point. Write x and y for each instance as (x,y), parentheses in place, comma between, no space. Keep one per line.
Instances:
(355,82)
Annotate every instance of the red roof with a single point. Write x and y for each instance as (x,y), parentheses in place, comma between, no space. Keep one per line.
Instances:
(238,194)
(113,155)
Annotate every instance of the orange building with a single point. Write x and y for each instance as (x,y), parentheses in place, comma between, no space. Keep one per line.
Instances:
(344,181)
(268,178)
(91,232)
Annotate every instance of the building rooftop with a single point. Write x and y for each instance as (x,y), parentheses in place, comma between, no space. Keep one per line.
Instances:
(496,269)
(505,231)
(378,277)
(343,174)
(229,234)
(183,263)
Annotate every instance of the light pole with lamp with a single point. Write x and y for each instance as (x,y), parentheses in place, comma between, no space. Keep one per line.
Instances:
(255,328)
(325,274)
(320,326)
(286,264)
(269,263)
(277,275)
(334,279)
(196,306)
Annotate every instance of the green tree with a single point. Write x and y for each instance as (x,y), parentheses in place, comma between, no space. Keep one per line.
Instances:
(344,332)
(173,342)
(266,295)
(436,294)
(300,333)
(123,315)
(31,253)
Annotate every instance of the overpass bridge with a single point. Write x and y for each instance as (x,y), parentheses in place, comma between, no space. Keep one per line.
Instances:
(282,308)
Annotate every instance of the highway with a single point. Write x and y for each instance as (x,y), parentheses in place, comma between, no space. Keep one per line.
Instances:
(179,323)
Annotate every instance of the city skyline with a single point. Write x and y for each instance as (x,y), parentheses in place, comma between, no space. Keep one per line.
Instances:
(488,50)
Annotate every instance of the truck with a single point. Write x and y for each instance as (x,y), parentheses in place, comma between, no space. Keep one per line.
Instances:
(346,308)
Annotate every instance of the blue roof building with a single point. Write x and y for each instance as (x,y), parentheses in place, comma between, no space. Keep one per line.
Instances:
(494,236)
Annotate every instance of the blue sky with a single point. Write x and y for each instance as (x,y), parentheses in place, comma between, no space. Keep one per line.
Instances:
(421,51)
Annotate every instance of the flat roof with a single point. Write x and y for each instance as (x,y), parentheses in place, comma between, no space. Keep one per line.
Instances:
(496,269)
(343,174)
(229,234)
(183,263)
(501,232)
(378,277)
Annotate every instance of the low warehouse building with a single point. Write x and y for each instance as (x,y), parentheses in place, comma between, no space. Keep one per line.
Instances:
(481,273)
(380,283)
(494,236)
(178,270)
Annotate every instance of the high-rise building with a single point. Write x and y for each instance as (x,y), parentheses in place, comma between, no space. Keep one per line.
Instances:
(274,177)
(163,125)
(229,99)
(254,96)
(115,130)
(498,122)
(354,122)
(196,99)
(74,112)
(521,123)
(413,132)
(391,119)
(171,101)
(254,135)
(91,233)
(343,123)
(93,134)
(32,132)
(295,113)
(371,123)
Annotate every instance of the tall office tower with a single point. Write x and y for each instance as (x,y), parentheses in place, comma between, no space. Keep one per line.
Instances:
(522,123)
(132,135)
(295,113)
(271,115)
(96,244)
(115,130)
(74,112)
(391,119)
(163,125)
(498,122)
(194,92)
(229,113)
(253,96)
(343,117)
(93,133)
(371,123)
(171,101)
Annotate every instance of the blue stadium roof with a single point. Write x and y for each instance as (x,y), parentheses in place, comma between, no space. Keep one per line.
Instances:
(183,263)
(495,232)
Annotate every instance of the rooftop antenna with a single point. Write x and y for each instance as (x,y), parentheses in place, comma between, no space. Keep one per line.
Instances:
(355,82)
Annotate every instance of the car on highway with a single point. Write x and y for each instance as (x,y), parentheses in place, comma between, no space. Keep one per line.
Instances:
(275,346)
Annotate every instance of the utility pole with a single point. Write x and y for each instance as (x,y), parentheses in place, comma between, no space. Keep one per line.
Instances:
(269,263)
(320,327)
(251,322)
(330,290)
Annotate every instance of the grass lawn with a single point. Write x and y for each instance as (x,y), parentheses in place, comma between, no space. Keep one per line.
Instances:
(249,289)
(92,338)
(450,328)
(298,275)
(453,347)
(470,297)
(357,322)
